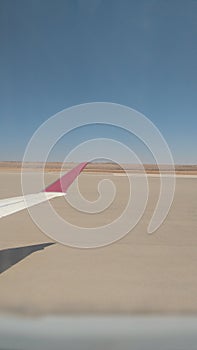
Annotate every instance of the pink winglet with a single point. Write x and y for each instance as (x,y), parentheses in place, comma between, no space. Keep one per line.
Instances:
(62,184)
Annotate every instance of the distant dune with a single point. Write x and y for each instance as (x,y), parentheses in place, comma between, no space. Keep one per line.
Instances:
(96,167)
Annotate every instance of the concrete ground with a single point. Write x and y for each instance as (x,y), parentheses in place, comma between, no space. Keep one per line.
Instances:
(140,273)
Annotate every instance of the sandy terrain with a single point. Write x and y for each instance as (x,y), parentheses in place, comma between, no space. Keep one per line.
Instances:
(96,167)
(140,273)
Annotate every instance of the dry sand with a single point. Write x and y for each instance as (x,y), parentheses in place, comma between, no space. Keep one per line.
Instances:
(95,167)
(141,273)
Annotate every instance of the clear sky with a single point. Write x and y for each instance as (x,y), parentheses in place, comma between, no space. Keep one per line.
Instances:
(59,53)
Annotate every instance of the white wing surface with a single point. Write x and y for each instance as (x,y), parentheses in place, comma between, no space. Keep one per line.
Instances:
(10,206)
(57,189)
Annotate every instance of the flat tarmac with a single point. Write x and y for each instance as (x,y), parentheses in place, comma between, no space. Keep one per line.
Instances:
(140,273)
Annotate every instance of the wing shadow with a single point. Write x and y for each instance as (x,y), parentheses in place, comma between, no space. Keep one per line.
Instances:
(11,256)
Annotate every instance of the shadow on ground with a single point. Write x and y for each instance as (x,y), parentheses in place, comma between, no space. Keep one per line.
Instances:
(11,256)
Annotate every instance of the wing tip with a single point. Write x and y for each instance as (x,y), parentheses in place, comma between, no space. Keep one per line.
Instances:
(62,184)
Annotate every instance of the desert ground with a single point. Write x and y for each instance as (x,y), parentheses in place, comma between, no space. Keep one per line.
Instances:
(96,167)
(140,273)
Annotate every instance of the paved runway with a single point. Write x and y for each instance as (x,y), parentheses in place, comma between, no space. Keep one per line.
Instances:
(141,273)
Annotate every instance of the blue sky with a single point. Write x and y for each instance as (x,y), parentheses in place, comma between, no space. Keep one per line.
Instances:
(139,53)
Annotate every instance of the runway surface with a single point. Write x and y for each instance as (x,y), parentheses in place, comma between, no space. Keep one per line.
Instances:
(140,273)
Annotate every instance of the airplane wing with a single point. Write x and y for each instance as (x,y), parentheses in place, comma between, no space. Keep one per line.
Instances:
(58,188)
